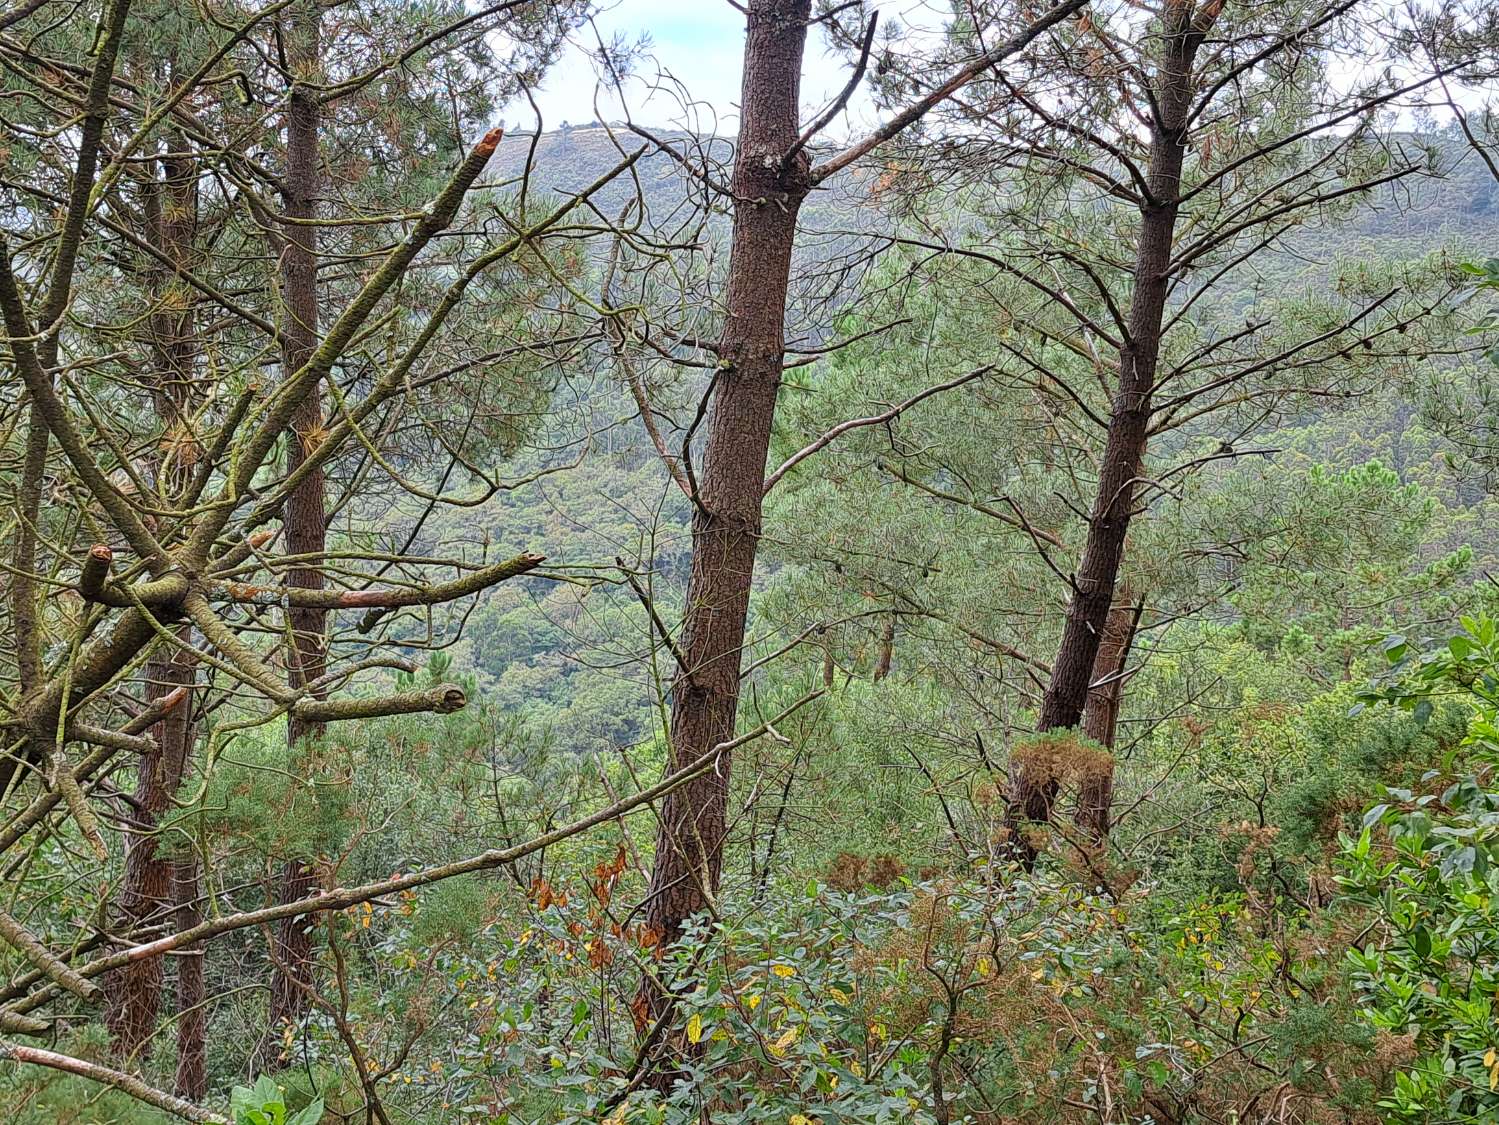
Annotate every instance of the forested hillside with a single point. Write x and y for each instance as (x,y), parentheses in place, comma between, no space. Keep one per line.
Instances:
(975,601)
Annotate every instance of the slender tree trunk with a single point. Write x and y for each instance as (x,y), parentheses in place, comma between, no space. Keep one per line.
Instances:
(1101,718)
(887,649)
(192,992)
(726,523)
(1032,797)
(305,518)
(147,895)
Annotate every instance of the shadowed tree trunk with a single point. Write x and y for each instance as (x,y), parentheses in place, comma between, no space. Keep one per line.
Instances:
(305,518)
(147,896)
(1093,592)
(148,892)
(768,192)
(1101,717)
(192,992)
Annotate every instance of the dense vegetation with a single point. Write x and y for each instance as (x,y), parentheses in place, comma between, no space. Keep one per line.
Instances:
(989,618)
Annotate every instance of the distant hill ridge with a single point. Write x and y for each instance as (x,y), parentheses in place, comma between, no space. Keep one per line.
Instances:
(1462,204)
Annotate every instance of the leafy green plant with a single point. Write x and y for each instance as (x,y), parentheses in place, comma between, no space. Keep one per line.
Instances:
(265,1104)
(1427,862)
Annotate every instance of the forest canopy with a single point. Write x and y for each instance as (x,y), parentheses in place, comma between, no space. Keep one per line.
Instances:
(966,592)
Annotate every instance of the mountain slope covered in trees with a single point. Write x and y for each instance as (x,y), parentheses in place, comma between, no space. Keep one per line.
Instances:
(991,619)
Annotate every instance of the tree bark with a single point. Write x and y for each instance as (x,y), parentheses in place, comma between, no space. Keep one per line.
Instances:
(192,991)
(768,192)
(1032,797)
(148,893)
(146,896)
(1101,718)
(305,517)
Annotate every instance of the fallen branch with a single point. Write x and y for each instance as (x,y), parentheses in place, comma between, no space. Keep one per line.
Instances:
(117,1079)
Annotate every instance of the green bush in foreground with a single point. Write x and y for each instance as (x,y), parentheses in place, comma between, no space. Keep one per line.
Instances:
(1426,863)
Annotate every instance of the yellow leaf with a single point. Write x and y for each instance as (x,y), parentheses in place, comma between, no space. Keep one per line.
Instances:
(799,1119)
(838,994)
(752,1001)
(984,966)
(783,971)
(695,1029)
(1488,1059)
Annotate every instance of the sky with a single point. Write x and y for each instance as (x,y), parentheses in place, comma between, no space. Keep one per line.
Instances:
(699,43)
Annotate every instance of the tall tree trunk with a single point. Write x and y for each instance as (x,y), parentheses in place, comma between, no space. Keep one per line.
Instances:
(147,896)
(305,518)
(1033,796)
(192,991)
(1101,717)
(768,193)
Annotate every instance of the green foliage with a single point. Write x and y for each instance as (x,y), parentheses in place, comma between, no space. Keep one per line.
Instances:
(1195,969)
(925,1000)
(265,1104)
(1427,863)
(1486,280)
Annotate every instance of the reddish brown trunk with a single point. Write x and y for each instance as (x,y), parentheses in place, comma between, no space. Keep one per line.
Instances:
(305,518)
(1032,798)
(726,524)
(192,994)
(147,893)
(146,897)
(1101,718)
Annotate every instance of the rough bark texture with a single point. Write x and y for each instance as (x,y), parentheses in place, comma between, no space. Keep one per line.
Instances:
(726,523)
(305,517)
(1032,798)
(148,894)
(192,990)
(146,897)
(1101,718)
